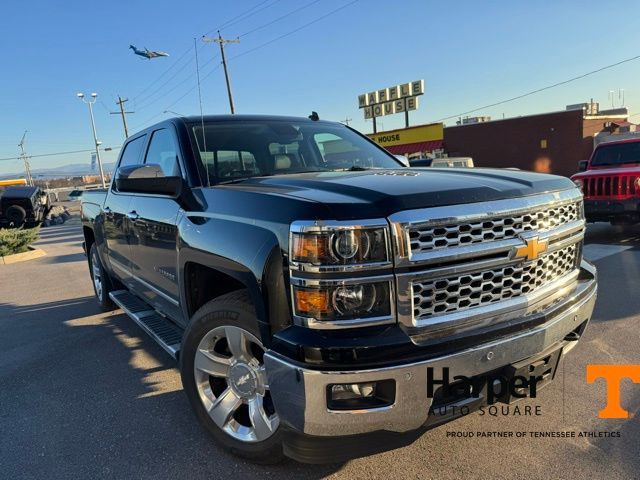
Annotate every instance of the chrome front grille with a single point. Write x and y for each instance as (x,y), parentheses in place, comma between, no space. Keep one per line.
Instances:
(477,289)
(463,267)
(431,236)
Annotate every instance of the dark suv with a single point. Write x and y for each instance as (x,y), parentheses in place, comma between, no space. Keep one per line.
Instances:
(22,206)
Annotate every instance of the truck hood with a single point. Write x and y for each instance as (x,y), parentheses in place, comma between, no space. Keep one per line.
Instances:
(622,170)
(376,193)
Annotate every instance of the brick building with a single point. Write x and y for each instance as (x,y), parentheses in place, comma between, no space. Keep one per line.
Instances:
(549,142)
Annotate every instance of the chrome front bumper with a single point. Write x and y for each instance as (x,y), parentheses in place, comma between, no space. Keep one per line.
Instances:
(300,394)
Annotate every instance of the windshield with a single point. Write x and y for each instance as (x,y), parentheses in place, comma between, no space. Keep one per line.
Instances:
(616,154)
(235,150)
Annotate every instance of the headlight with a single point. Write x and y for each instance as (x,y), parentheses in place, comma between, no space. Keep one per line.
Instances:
(320,255)
(579,183)
(364,301)
(322,245)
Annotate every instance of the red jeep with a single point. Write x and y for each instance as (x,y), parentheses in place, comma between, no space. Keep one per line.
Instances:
(610,182)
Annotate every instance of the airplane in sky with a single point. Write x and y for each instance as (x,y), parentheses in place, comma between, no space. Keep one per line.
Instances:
(148,54)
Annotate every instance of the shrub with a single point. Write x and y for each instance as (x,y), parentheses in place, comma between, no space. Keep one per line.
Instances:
(16,240)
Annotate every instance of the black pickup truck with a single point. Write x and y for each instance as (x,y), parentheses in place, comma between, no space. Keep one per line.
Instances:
(320,297)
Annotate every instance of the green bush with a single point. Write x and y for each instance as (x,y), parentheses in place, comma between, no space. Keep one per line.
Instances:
(16,240)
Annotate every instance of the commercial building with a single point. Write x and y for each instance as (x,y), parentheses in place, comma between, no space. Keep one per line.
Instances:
(412,141)
(549,142)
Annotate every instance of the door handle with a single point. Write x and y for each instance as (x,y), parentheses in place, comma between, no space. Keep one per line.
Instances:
(133,216)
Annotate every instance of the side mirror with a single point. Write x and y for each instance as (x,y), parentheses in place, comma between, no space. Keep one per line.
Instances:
(582,165)
(147,178)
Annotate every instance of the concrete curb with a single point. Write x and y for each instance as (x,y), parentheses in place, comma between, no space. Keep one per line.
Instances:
(23,257)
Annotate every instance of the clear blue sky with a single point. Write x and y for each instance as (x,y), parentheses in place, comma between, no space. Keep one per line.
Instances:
(470,54)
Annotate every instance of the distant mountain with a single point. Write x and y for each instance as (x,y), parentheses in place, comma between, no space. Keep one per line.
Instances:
(71,170)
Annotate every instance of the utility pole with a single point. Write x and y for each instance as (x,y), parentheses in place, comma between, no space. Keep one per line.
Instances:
(25,159)
(221,41)
(121,101)
(95,135)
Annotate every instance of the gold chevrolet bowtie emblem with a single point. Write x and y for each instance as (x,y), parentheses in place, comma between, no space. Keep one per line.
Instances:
(532,249)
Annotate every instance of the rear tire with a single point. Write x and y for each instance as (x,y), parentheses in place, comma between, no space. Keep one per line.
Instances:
(223,376)
(16,215)
(102,284)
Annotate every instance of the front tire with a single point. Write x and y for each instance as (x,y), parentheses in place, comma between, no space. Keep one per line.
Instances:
(225,381)
(100,279)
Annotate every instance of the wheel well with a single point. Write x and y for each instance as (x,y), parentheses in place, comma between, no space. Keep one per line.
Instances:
(89,238)
(204,283)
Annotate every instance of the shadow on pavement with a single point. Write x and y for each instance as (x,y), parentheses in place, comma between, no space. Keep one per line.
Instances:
(604,233)
(619,300)
(88,395)
(70,257)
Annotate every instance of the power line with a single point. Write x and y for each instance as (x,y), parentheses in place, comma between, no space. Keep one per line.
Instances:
(145,98)
(222,41)
(123,113)
(161,75)
(59,153)
(178,99)
(548,87)
(185,80)
(246,14)
(280,18)
(322,17)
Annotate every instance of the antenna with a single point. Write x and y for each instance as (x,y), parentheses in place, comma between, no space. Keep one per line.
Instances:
(204,137)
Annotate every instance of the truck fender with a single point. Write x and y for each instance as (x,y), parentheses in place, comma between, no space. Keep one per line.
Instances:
(245,252)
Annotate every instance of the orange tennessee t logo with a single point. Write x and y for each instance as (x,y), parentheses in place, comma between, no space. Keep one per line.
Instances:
(613,374)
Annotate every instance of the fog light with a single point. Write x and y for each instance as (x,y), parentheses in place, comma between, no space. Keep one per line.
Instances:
(353,390)
(358,396)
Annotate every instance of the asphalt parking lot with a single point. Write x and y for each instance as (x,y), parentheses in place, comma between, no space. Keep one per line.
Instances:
(88,395)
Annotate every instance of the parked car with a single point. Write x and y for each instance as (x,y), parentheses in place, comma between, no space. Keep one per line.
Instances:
(313,302)
(22,206)
(448,162)
(75,195)
(610,181)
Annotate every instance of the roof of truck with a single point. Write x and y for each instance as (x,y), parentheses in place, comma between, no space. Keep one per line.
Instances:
(19,192)
(243,118)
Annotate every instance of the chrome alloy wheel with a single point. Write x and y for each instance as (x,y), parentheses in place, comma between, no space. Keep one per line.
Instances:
(232,384)
(96,274)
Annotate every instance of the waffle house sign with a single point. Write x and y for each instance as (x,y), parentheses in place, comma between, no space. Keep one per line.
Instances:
(387,101)
(418,139)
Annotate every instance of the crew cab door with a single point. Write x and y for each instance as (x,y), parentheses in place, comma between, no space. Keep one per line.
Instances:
(154,224)
(117,227)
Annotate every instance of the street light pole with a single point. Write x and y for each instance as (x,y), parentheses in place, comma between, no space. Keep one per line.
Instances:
(95,135)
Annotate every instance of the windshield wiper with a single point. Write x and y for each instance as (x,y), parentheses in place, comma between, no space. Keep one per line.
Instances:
(352,168)
(235,180)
